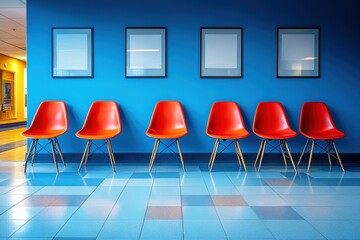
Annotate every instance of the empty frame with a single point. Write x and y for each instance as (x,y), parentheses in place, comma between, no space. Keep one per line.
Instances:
(221,52)
(298,52)
(146,52)
(72,52)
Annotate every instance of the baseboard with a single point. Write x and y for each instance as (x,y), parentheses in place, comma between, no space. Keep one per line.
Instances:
(7,126)
(270,158)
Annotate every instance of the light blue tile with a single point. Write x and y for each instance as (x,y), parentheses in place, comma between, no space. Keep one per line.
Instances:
(5,189)
(3,209)
(92,213)
(246,229)
(194,190)
(21,213)
(9,200)
(9,227)
(39,228)
(282,229)
(203,229)
(200,213)
(223,190)
(79,190)
(52,190)
(338,229)
(319,213)
(191,181)
(81,228)
(128,211)
(129,229)
(349,213)
(162,229)
(264,200)
(235,213)
(303,190)
(25,190)
(165,200)
(135,182)
(114,182)
(56,213)
(250,190)
(160,191)
(346,190)
(166,182)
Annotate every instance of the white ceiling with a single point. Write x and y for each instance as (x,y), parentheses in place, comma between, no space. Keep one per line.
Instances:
(13,28)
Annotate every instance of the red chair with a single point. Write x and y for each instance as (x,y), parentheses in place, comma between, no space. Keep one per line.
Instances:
(316,123)
(167,122)
(102,122)
(226,123)
(270,123)
(50,121)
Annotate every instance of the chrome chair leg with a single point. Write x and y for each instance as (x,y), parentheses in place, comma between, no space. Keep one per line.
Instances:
(156,146)
(84,155)
(28,154)
(54,155)
(34,151)
(311,154)
(303,151)
(237,153)
(338,157)
(282,151)
(328,152)
(110,155)
(213,152)
(59,151)
(88,152)
(262,154)
(214,156)
(180,154)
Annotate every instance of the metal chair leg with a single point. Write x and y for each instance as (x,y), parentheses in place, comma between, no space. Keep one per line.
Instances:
(84,155)
(28,154)
(338,157)
(311,153)
(262,155)
(180,154)
(214,156)
(110,155)
(282,151)
(303,151)
(34,151)
(241,155)
(156,146)
(59,151)
(260,150)
(54,155)
(328,152)
(289,153)
(88,152)
(213,152)
(237,153)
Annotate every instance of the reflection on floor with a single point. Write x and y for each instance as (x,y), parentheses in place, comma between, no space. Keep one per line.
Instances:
(170,204)
(12,145)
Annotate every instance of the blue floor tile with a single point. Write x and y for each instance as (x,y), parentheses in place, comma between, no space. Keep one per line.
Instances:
(21,213)
(81,228)
(39,228)
(162,229)
(276,213)
(10,227)
(129,229)
(334,230)
(55,213)
(200,213)
(203,229)
(246,229)
(236,213)
(197,200)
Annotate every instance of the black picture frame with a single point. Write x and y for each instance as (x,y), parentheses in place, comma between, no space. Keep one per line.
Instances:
(215,43)
(146,52)
(298,52)
(72,52)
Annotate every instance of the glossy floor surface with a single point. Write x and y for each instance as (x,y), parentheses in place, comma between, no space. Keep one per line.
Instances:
(170,204)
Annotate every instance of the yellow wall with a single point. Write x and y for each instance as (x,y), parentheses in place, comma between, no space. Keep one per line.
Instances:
(16,66)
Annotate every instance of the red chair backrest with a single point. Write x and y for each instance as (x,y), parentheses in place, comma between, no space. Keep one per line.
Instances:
(315,116)
(167,115)
(270,116)
(225,117)
(103,115)
(51,115)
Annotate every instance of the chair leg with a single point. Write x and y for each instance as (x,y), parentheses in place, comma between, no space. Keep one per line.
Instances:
(213,152)
(241,155)
(84,155)
(180,154)
(53,153)
(311,153)
(282,151)
(214,156)
(34,151)
(88,152)
(303,151)
(59,151)
(260,150)
(262,155)
(156,146)
(237,153)
(28,154)
(289,153)
(110,155)
(338,156)
(328,152)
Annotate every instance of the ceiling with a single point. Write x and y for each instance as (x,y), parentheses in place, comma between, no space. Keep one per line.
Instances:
(13,28)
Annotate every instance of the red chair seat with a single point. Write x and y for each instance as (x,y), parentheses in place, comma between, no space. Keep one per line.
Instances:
(231,134)
(325,135)
(166,133)
(38,133)
(276,134)
(97,134)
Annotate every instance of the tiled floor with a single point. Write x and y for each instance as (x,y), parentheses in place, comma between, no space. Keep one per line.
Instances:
(170,204)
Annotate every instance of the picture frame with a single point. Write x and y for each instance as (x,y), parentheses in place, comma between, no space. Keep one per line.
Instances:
(73,52)
(298,52)
(221,52)
(146,52)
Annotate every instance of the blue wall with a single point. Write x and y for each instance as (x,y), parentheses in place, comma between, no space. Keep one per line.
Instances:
(338,86)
